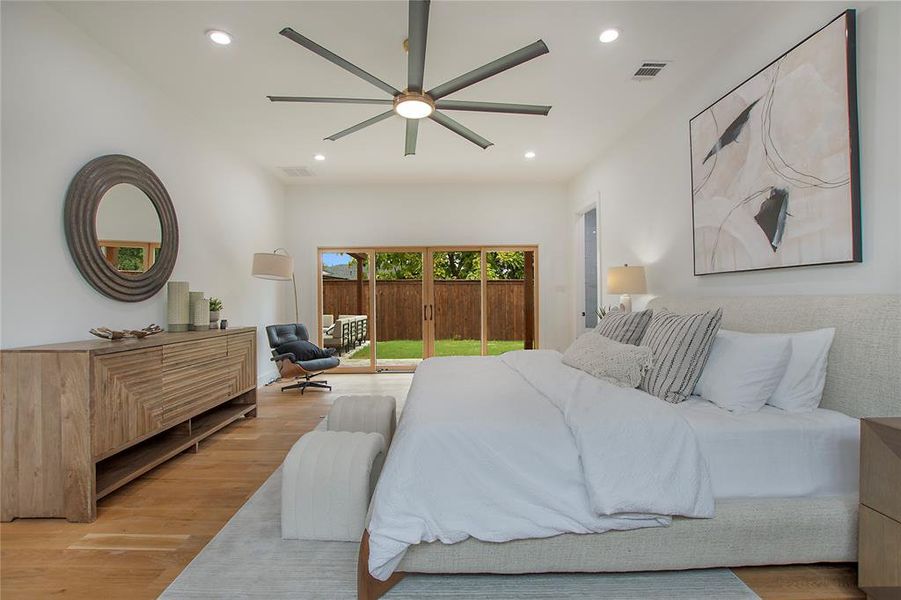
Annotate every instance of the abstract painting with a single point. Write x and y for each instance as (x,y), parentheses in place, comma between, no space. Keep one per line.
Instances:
(774,163)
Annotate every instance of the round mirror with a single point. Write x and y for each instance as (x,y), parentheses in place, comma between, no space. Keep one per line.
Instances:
(121,227)
(128,229)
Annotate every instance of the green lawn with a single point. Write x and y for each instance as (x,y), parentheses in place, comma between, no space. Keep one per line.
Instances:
(394,349)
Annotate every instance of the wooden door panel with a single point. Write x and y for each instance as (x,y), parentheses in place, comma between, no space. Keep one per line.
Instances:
(242,351)
(127,402)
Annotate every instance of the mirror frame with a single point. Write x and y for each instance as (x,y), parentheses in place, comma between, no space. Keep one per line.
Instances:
(80,221)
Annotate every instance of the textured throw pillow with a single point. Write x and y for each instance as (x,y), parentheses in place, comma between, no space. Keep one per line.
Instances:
(303,350)
(620,364)
(679,345)
(623,327)
(743,370)
(801,388)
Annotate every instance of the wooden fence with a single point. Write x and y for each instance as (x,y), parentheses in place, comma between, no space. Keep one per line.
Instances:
(457,314)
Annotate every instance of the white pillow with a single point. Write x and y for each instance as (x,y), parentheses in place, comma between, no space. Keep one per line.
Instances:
(743,370)
(801,388)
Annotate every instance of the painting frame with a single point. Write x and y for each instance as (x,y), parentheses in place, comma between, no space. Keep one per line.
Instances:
(854,196)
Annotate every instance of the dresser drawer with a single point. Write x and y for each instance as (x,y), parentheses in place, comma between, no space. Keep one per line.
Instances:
(880,465)
(191,353)
(195,388)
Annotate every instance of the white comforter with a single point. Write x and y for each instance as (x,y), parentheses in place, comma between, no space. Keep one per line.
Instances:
(523,446)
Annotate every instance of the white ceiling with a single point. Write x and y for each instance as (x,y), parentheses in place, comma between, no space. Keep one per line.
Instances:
(588,83)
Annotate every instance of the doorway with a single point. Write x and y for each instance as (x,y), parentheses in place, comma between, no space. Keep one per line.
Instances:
(388,308)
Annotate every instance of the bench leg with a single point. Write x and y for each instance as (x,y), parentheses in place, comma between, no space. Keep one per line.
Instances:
(368,587)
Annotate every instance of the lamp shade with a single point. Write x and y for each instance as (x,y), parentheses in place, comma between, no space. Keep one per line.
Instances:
(269,265)
(626,280)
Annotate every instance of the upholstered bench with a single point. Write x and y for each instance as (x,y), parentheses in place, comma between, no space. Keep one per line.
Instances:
(370,414)
(328,476)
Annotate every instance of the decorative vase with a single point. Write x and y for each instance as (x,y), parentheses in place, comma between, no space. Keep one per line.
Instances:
(194,297)
(178,306)
(214,319)
(201,314)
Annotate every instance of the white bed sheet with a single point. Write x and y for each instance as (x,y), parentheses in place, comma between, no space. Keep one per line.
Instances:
(774,453)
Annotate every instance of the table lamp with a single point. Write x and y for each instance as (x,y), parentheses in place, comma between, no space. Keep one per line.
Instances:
(626,280)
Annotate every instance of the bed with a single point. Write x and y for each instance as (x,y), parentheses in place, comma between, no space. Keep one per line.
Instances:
(802,508)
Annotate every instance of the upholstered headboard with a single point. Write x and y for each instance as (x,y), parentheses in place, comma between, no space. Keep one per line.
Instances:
(864,373)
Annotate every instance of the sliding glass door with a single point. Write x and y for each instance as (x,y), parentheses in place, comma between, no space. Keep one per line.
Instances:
(510,300)
(386,309)
(400,309)
(345,303)
(455,308)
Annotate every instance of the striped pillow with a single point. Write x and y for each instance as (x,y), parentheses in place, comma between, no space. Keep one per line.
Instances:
(623,327)
(680,345)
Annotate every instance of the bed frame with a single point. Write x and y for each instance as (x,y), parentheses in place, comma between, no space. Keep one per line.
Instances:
(863,380)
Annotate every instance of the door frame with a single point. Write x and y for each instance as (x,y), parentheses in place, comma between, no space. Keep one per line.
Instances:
(428,290)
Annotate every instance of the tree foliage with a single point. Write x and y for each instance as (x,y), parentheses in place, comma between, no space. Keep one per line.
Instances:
(454,265)
(130,259)
(398,265)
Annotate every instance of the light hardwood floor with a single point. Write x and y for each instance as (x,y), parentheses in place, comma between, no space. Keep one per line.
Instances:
(148,531)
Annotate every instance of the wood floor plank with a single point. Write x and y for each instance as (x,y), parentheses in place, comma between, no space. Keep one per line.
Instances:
(135,542)
(149,530)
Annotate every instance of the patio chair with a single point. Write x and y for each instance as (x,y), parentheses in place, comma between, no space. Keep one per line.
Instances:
(336,336)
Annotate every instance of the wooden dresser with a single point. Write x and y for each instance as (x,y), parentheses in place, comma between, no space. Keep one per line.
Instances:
(879,554)
(79,420)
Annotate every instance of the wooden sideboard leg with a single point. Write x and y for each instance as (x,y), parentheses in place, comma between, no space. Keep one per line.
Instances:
(368,587)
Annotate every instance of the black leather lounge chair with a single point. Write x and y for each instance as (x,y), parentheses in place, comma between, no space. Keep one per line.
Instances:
(297,357)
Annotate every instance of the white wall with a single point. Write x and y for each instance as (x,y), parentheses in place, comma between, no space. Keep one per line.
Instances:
(436,214)
(66,100)
(126,214)
(643,183)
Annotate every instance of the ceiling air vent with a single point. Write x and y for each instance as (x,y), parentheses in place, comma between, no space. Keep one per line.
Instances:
(296,171)
(649,70)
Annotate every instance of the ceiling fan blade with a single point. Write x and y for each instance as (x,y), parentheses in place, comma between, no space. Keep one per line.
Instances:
(412,134)
(418,29)
(334,58)
(359,126)
(494,107)
(459,129)
(533,50)
(330,100)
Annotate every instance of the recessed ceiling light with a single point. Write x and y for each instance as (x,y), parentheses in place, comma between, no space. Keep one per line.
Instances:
(217,36)
(530,155)
(609,35)
(319,157)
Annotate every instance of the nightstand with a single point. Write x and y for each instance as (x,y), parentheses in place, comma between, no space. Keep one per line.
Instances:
(879,550)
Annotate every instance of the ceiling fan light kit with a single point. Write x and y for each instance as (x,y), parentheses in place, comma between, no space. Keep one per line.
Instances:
(413,103)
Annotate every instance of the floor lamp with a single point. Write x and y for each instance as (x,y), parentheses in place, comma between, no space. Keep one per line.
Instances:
(279,266)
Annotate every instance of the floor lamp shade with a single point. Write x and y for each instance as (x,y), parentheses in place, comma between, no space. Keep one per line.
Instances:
(269,265)
(277,266)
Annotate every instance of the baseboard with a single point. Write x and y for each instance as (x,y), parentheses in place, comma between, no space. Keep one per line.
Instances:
(267,376)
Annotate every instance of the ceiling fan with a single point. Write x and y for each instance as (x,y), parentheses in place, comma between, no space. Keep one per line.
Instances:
(414,103)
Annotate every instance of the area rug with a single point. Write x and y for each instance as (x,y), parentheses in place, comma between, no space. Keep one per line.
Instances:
(248,559)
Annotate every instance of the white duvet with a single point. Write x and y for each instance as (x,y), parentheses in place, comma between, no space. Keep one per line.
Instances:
(523,446)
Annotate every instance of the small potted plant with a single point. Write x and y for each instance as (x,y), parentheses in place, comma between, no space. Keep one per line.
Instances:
(215,307)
